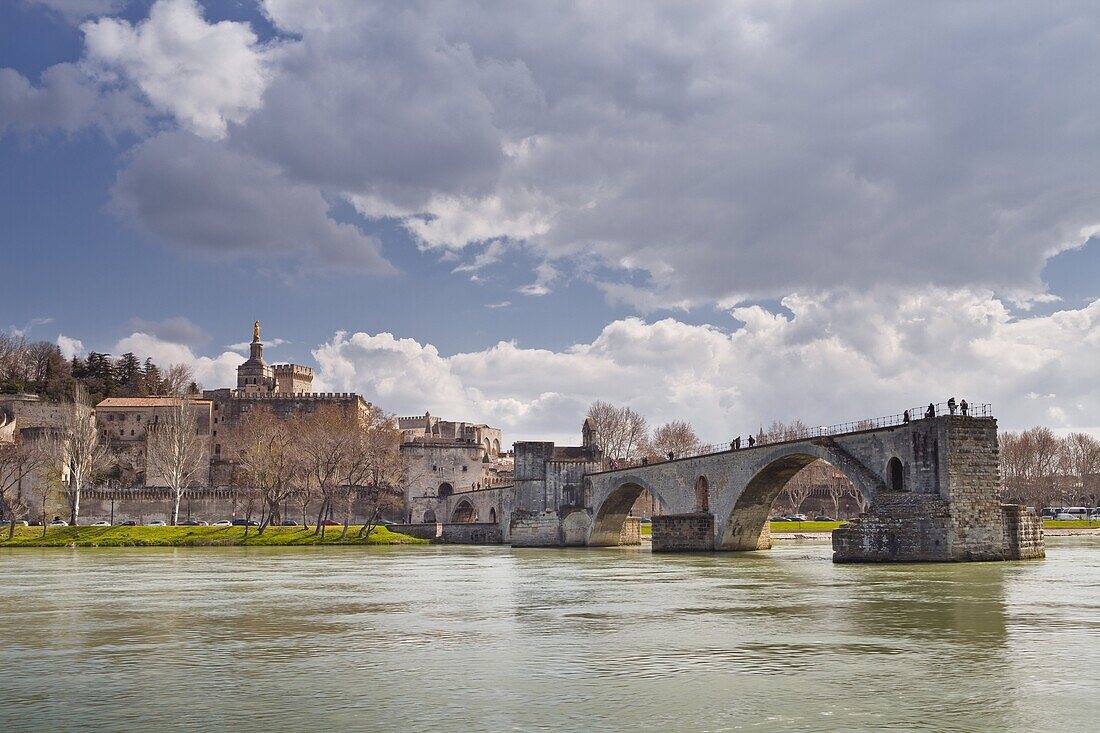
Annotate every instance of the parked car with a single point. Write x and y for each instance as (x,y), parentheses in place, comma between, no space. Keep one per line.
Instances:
(1048,513)
(222,523)
(386,522)
(643,520)
(245,523)
(59,523)
(157,523)
(330,523)
(796,518)
(128,523)
(193,523)
(1066,517)
(822,518)
(101,523)
(288,523)
(1078,512)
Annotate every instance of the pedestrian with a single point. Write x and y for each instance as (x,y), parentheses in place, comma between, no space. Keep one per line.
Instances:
(905,417)
(737,440)
(645,460)
(931,411)
(964,407)
(752,441)
(671,456)
(733,445)
(951,405)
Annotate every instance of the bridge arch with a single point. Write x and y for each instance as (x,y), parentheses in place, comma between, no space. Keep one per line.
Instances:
(745,521)
(429,517)
(612,512)
(464,513)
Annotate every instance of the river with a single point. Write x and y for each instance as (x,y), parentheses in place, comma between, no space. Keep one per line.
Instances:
(494,639)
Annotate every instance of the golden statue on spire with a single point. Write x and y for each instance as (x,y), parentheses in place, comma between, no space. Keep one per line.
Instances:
(256,331)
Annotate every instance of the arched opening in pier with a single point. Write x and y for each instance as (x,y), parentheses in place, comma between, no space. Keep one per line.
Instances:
(796,484)
(624,501)
(895,475)
(445,490)
(429,517)
(702,494)
(493,515)
(464,513)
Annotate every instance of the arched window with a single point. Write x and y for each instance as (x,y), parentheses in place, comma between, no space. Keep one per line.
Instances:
(445,490)
(895,475)
(702,494)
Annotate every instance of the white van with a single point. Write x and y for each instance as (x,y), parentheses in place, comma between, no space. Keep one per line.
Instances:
(1077,512)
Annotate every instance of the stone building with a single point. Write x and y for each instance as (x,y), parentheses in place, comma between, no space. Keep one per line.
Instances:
(125,424)
(445,458)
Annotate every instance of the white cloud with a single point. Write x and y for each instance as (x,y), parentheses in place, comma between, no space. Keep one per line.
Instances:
(206,75)
(837,358)
(73,11)
(70,347)
(211,372)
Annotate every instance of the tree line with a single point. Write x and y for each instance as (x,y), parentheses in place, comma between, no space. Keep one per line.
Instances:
(38,367)
(1040,469)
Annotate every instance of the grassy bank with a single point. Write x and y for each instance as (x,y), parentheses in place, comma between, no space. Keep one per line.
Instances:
(194,537)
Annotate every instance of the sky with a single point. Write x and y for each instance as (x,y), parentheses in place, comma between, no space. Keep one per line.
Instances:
(724,212)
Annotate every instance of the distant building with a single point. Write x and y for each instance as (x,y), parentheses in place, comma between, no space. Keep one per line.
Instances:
(125,424)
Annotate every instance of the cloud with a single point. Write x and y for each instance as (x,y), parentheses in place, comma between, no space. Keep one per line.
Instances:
(822,359)
(65,100)
(74,11)
(211,372)
(70,347)
(176,330)
(207,197)
(206,75)
(268,344)
(28,327)
(710,153)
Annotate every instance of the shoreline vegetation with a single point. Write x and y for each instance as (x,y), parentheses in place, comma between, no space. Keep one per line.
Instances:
(197,537)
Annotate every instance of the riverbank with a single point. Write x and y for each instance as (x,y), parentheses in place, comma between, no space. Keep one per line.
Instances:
(196,537)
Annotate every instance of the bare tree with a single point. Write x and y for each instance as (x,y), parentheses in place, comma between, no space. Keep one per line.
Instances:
(177,451)
(619,431)
(265,463)
(1080,459)
(327,439)
(379,470)
(175,380)
(18,461)
(77,446)
(676,437)
(799,488)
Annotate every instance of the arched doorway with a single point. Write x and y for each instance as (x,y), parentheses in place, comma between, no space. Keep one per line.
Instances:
(429,517)
(702,494)
(445,490)
(488,447)
(895,475)
(493,515)
(464,513)
(496,447)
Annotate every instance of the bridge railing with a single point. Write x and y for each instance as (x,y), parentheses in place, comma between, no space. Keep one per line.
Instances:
(913,414)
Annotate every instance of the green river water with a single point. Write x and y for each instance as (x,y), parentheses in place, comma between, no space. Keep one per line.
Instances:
(494,639)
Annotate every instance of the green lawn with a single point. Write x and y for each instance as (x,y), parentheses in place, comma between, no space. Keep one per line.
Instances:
(193,537)
(1067,524)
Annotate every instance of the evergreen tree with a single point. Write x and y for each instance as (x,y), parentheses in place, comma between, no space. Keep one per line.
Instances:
(154,384)
(131,379)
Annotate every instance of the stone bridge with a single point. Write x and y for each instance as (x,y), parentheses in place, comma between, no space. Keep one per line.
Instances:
(932,484)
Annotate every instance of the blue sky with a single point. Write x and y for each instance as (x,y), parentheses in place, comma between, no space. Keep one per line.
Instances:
(705,212)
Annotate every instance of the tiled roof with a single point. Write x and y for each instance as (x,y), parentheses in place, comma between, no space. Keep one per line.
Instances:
(145,402)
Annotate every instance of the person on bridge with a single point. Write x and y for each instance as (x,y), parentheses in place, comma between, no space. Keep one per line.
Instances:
(951,405)
(752,440)
(645,460)
(931,411)
(964,408)
(737,442)
(905,417)
(671,456)
(733,444)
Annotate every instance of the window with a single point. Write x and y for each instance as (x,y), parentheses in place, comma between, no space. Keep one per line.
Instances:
(215,433)
(131,433)
(217,449)
(215,421)
(464,469)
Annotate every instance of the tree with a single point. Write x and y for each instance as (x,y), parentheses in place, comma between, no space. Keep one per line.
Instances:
(619,432)
(328,439)
(77,446)
(177,451)
(177,380)
(1080,460)
(378,469)
(130,377)
(18,461)
(676,437)
(265,463)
